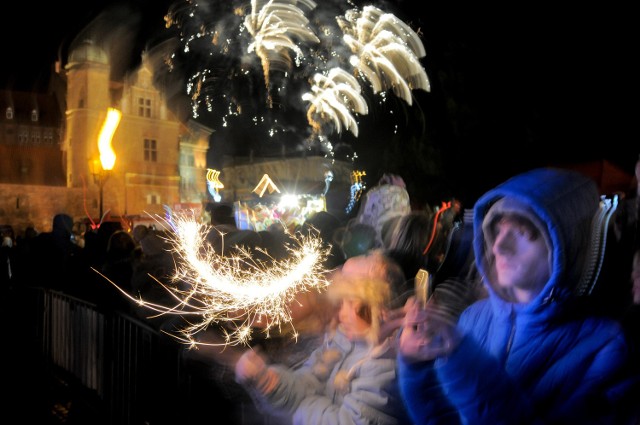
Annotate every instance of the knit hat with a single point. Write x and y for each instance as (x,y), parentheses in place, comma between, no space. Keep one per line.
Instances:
(382,203)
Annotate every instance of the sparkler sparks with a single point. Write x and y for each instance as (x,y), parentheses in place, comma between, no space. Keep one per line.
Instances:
(235,291)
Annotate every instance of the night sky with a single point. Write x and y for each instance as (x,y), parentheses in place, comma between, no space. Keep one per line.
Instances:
(532,84)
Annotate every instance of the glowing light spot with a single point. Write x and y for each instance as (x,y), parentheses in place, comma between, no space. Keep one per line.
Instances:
(109,126)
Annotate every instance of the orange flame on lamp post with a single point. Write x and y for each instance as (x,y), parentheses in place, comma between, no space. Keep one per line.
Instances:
(107,154)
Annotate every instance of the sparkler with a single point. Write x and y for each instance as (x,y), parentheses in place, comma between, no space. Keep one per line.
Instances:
(238,291)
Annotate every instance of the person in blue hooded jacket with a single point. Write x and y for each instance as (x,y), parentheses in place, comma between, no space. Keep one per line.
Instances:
(528,353)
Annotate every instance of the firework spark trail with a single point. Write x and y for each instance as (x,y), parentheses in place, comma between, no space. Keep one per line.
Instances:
(276,27)
(237,46)
(386,51)
(333,98)
(235,291)
(209,40)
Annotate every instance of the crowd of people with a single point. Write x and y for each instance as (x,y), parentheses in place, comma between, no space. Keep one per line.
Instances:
(501,334)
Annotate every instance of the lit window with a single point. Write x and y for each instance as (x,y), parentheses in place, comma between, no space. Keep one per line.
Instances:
(34,115)
(35,136)
(48,135)
(9,113)
(153,199)
(144,107)
(150,150)
(23,135)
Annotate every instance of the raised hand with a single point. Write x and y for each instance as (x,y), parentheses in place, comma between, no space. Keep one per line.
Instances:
(427,332)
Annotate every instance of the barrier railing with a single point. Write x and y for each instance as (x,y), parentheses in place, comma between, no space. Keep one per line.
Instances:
(127,370)
(121,370)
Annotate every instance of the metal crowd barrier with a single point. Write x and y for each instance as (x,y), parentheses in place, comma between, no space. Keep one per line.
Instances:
(126,370)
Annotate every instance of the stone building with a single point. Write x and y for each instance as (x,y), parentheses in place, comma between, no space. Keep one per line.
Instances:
(50,160)
(49,156)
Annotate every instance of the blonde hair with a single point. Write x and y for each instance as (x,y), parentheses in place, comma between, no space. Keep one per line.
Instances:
(377,284)
(374,293)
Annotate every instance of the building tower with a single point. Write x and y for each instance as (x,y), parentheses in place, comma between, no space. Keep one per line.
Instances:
(150,143)
(87,102)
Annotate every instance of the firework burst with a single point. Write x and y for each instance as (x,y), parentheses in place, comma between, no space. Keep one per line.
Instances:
(276,27)
(268,52)
(386,51)
(334,98)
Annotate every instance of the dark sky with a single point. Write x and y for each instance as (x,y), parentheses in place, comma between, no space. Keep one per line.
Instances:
(532,83)
(33,34)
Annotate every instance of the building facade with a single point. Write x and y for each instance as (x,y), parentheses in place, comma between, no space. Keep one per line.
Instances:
(50,160)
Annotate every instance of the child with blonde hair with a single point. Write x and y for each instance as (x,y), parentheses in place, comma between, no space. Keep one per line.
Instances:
(351,377)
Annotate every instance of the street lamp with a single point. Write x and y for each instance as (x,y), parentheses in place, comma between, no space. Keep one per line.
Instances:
(107,154)
(100,176)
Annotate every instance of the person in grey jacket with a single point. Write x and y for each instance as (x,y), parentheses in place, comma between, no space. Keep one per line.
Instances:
(351,377)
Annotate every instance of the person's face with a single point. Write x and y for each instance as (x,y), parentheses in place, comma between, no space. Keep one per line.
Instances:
(353,324)
(521,259)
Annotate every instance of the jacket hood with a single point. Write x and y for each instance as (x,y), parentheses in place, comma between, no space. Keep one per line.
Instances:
(562,204)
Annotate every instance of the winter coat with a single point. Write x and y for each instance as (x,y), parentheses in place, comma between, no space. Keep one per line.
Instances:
(547,361)
(343,382)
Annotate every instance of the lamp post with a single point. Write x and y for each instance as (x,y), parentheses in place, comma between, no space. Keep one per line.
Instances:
(107,154)
(100,178)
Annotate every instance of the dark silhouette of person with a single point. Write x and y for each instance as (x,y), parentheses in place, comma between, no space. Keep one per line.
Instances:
(58,255)
(118,269)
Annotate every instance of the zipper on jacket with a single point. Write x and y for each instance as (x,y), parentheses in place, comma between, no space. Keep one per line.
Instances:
(512,318)
(597,245)
(549,298)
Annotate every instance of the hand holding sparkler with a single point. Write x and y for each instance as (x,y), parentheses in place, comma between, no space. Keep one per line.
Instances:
(428,331)
(235,290)
(251,369)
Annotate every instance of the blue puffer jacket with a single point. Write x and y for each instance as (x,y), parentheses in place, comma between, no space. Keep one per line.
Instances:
(537,363)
